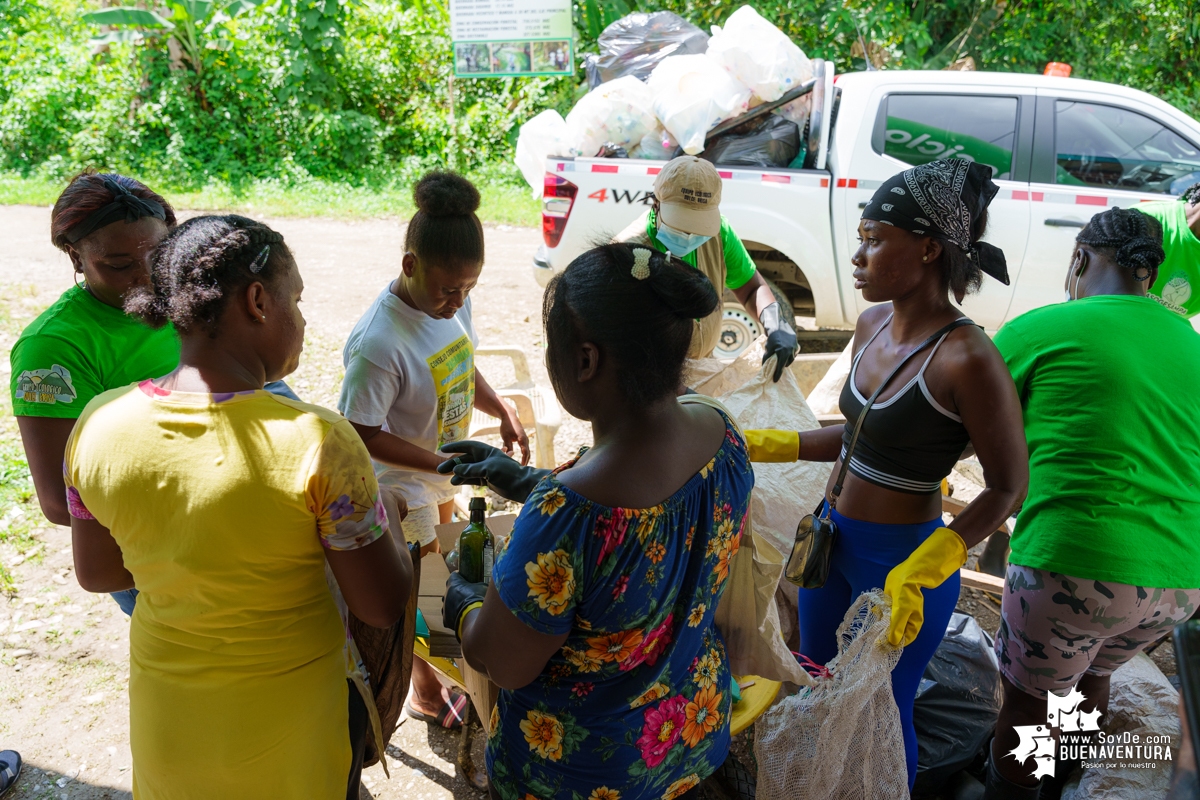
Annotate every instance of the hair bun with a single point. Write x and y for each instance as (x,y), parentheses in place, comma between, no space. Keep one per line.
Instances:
(1142,252)
(446,194)
(685,291)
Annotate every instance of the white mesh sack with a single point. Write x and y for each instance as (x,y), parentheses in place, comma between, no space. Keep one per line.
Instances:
(759,55)
(618,112)
(692,95)
(839,739)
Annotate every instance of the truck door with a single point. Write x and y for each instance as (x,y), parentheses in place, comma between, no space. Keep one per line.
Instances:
(922,125)
(1091,154)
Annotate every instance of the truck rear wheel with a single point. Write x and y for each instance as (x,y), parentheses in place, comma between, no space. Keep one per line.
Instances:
(739,329)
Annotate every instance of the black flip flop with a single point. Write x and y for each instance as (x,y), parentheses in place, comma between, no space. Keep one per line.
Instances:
(450,716)
(10,770)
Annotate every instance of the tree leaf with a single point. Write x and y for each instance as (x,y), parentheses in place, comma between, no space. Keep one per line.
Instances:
(241,7)
(138,17)
(123,35)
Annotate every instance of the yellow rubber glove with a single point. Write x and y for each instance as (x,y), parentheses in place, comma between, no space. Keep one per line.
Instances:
(938,557)
(769,445)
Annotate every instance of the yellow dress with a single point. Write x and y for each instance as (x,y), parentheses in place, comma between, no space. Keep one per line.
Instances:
(222,506)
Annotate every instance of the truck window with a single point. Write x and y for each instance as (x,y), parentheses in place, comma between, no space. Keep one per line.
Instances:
(1099,145)
(919,128)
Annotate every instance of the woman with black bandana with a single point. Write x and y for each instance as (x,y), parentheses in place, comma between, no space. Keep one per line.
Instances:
(938,385)
(84,344)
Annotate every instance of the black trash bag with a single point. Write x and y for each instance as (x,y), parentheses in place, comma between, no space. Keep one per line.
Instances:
(635,44)
(957,703)
(770,142)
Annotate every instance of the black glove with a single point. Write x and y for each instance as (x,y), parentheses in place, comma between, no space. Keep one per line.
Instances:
(781,339)
(482,463)
(461,597)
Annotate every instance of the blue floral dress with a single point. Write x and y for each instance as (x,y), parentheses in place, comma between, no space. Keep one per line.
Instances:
(636,702)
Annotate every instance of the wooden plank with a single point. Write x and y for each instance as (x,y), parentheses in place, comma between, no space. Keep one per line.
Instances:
(982,581)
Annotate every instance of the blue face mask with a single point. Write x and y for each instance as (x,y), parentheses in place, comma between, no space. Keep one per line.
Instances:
(678,242)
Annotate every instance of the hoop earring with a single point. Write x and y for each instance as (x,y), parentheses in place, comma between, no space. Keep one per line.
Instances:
(76,275)
(1137,276)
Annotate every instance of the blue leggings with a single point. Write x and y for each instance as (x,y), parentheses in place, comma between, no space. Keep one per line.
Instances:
(863,556)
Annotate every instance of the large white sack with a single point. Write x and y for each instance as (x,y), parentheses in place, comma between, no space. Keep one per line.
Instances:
(541,137)
(618,112)
(783,493)
(759,55)
(692,95)
(1143,702)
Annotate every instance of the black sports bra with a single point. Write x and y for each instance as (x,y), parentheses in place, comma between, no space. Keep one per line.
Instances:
(908,442)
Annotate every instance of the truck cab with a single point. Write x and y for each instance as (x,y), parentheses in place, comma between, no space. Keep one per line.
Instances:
(1061,150)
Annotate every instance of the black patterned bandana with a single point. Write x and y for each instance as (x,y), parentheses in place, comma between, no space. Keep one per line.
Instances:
(942,199)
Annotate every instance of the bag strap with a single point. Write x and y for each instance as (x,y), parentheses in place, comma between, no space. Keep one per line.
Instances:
(862,415)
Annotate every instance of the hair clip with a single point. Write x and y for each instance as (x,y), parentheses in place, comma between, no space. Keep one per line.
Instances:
(260,261)
(641,263)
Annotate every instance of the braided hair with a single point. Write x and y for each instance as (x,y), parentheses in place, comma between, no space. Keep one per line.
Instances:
(201,264)
(638,309)
(1130,238)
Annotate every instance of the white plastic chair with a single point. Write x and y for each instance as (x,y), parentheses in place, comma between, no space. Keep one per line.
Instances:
(536,408)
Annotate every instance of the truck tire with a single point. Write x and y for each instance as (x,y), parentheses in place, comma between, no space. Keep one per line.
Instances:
(739,330)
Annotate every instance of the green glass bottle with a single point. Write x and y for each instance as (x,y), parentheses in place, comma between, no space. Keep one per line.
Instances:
(476,546)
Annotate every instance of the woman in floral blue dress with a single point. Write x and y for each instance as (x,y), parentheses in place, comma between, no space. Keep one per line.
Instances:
(598,625)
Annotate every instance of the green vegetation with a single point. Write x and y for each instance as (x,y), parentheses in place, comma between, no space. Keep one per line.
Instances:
(332,107)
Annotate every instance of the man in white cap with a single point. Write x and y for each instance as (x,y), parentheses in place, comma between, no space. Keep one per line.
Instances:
(686,221)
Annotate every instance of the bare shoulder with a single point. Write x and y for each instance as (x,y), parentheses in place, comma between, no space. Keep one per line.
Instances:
(968,357)
(869,322)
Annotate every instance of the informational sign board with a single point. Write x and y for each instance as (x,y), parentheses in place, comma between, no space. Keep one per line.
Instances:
(510,38)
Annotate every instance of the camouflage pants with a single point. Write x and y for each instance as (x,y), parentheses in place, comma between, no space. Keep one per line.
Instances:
(1054,628)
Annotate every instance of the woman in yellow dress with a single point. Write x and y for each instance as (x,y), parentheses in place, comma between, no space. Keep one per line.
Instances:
(225,503)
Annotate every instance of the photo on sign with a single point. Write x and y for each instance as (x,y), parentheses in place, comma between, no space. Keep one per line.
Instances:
(552,56)
(472,58)
(510,57)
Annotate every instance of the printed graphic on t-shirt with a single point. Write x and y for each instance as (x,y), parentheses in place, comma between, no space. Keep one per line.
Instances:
(1176,293)
(47,386)
(453,370)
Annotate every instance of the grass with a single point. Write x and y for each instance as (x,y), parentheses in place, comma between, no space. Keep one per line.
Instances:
(503,200)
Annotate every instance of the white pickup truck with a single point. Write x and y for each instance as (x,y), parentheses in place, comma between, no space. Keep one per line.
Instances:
(1062,149)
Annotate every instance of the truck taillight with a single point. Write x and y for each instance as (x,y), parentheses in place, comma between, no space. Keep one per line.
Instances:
(558,196)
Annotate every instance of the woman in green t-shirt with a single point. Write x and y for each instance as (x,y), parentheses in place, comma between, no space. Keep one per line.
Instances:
(1105,558)
(84,344)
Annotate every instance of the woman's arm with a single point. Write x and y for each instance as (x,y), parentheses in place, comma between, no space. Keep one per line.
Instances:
(99,566)
(511,429)
(507,650)
(991,412)
(45,441)
(822,444)
(387,448)
(375,580)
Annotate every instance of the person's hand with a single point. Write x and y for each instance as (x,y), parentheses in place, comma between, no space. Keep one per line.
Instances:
(473,462)
(937,558)
(781,339)
(393,495)
(462,597)
(513,432)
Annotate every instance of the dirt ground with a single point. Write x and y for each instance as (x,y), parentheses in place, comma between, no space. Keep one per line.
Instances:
(64,665)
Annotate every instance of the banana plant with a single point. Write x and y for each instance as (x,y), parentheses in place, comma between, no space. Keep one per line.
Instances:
(193,24)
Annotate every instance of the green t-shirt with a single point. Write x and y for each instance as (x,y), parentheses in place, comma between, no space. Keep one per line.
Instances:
(1109,387)
(1178,284)
(80,347)
(739,267)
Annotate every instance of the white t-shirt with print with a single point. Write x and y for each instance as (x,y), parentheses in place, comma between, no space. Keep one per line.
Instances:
(414,375)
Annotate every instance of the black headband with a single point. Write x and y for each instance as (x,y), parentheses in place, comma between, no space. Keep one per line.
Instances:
(125,205)
(942,198)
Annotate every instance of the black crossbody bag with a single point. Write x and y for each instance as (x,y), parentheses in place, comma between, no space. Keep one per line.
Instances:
(808,565)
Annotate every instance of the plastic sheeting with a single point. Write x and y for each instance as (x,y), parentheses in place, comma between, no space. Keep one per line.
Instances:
(759,55)
(636,44)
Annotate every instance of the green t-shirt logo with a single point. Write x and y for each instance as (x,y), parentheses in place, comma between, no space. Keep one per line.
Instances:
(1178,290)
(48,386)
